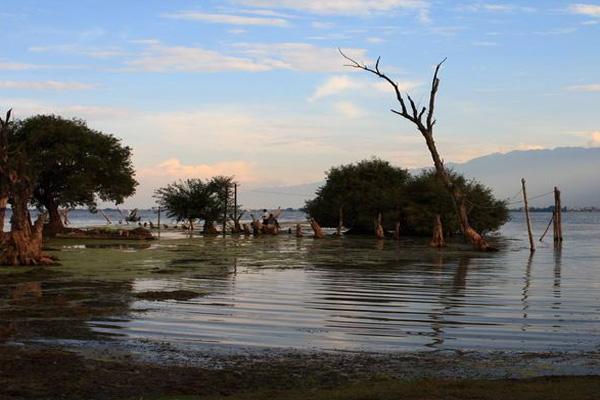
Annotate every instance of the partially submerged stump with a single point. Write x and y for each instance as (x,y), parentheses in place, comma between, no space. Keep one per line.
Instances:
(319,234)
(299,232)
(379,232)
(397,231)
(438,233)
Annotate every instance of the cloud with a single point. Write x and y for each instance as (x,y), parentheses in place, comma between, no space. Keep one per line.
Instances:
(13,66)
(230,19)
(299,56)
(249,57)
(594,87)
(591,10)
(45,85)
(160,58)
(495,8)
(27,107)
(348,109)
(343,7)
(342,83)
(594,139)
(174,169)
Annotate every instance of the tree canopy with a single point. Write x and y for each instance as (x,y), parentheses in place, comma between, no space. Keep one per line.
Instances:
(74,165)
(371,187)
(193,199)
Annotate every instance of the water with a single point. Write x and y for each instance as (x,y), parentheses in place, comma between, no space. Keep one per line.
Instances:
(359,295)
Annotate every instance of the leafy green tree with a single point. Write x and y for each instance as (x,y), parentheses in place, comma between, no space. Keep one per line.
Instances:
(362,190)
(370,187)
(192,199)
(74,165)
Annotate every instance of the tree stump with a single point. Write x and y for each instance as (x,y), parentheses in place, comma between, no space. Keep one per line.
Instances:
(379,233)
(438,233)
(397,231)
(319,234)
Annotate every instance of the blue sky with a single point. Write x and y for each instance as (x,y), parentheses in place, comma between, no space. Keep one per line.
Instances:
(256,88)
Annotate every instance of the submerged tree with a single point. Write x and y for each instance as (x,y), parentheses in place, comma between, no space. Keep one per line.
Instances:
(23,244)
(74,165)
(192,199)
(361,191)
(374,187)
(423,119)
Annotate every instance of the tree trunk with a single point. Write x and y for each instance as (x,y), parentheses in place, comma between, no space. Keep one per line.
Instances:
(438,233)
(379,233)
(319,234)
(3,205)
(55,223)
(23,244)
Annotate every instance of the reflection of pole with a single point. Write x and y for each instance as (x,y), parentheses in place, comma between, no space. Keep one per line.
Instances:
(531,243)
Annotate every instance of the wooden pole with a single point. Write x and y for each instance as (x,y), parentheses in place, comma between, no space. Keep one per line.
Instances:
(526,206)
(558,214)
(235,205)
(225,209)
(340,222)
(159,227)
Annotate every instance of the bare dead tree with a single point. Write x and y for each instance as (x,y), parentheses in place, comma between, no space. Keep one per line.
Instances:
(423,119)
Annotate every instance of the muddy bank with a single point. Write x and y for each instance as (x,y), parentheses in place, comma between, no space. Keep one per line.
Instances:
(34,372)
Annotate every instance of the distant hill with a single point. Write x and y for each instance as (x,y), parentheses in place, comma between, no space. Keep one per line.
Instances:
(575,170)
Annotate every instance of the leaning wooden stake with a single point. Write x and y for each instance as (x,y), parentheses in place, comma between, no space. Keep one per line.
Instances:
(397,231)
(438,233)
(526,207)
(338,231)
(299,232)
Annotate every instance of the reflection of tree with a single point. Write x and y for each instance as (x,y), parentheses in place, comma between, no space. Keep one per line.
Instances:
(451,298)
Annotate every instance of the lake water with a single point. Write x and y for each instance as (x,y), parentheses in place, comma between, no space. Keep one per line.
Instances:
(358,294)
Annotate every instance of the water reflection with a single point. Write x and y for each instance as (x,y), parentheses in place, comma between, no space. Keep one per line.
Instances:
(354,294)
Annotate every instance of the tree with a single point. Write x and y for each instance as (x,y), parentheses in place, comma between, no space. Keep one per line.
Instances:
(362,191)
(23,244)
(74,165)
(192,199)
(372,187)
(423,119)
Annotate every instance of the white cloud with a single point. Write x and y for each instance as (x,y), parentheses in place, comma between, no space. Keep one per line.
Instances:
(231,19)
(344,7)
(159,58)
(174,169)
(593,87)
(26,107)
(495,7)
(13,66)
(348,109)
(299,56)
(341,83)
(250,57)
(45,85)
(591,10)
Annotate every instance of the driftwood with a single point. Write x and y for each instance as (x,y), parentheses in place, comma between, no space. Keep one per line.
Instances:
(319,234)
(423,119)
(438,233)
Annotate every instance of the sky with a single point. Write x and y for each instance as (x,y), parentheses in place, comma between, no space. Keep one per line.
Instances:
(257,88)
